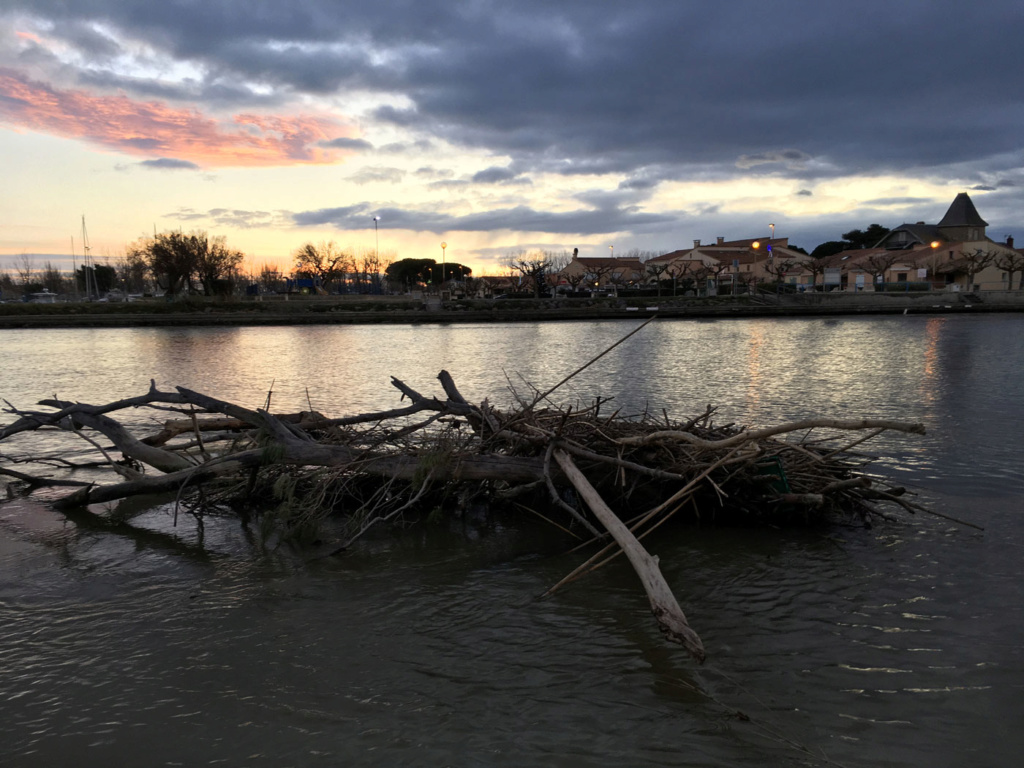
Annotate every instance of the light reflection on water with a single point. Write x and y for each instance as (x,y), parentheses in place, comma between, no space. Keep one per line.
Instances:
(900,646)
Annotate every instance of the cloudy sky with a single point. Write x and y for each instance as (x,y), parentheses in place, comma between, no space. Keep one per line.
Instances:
(500,126)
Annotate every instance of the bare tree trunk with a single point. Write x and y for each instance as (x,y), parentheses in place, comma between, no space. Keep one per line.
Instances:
(664,605)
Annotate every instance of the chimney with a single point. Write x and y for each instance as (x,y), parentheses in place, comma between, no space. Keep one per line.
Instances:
(1009,241)
(919,224)
(696,243)
(721,239)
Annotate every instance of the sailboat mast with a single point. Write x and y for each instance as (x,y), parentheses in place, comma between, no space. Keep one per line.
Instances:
(74,268)
(87,268)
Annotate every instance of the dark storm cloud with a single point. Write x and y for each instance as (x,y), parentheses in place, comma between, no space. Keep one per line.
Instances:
(575,85)
(519,218)
(494,175)
(790,157)
(169,164)
(652,90)
(220,93)
(357,145)
(89,40)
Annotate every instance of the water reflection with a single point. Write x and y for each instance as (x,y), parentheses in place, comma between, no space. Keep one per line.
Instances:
(930,371)
(754,383)
(898,647)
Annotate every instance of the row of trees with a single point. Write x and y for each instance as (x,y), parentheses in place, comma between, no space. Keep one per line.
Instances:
(855,239)
(26,279)
(181,263)
(333,269)
(172,261)
(408,274)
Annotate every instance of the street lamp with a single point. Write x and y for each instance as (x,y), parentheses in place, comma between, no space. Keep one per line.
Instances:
(443,246)
(376,236)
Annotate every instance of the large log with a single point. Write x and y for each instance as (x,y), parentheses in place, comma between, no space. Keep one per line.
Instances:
(664,605)
(511,469)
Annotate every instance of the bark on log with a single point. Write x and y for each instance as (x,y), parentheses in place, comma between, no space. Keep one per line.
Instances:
(95,494)
(760,434)
(664,605)
(512,469)
(129,445)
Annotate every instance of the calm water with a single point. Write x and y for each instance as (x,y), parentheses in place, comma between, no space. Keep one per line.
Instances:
(901,646)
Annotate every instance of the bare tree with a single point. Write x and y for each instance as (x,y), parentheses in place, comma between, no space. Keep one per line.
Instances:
(715,270)
(878,264)
(621,277)
(600,274)
(177,261)
(558,260)
(1012,262)
(52,278)
(682,270)
(777,269)
(532,268)
(323,263)
(656,271)
(132,271)
(270,279)
(575,279)
(168,258)
(974,263)
(815,267)
(215,263)
(25,269)
(6,283)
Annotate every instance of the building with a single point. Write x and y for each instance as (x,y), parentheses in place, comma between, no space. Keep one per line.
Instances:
(735,265)
(586,273)
(956,254)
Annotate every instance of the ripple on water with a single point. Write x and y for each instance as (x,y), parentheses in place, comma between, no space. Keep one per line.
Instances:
(900,646)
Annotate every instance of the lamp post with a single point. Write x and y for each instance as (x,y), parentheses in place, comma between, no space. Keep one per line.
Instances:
(443,246)
(771,261)
(376,237)
(615,285)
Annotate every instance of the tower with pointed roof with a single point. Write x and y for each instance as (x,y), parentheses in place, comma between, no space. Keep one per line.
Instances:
(962,221)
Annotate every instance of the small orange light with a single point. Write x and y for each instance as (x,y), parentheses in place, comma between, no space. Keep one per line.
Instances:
(755,245)
(936,243)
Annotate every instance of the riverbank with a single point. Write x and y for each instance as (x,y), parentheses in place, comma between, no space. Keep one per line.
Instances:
(321,310)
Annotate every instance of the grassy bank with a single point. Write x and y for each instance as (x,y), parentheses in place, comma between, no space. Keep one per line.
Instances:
(405,309)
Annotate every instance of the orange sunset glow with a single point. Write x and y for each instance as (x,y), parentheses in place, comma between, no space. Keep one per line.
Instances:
(148,128)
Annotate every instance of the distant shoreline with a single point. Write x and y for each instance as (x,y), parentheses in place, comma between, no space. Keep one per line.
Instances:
(403,311)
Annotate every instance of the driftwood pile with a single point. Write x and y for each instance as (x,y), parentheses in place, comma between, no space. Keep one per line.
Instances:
(599,476)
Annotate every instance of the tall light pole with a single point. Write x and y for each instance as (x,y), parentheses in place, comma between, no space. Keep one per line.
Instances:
(611,253)
(376,236)
(443,246)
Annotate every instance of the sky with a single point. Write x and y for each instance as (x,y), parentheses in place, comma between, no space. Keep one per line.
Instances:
(501,126)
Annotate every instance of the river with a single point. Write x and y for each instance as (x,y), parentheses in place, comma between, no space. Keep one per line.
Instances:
(902,645)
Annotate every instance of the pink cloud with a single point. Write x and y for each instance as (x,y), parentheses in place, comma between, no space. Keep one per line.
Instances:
(155,129)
